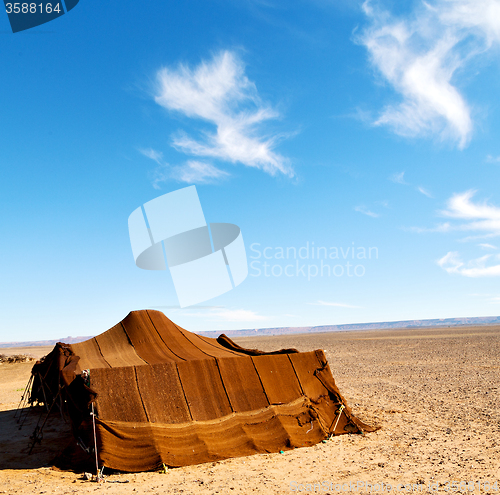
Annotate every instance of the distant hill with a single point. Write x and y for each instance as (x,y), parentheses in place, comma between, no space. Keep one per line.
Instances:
(37,343)
(384,325)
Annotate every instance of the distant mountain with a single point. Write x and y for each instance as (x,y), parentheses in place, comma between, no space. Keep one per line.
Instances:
(446,322)
(37,343)
(384,325)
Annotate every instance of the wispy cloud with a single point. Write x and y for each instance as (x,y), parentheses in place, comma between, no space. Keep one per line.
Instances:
(398,178)
(487,246)
(425,192)
(366,211)
(237,315)
(442,227)
(219,93)
(421,57)
(191,172)
(334,304)
(157,156)
(491,298)
(493,159)
(479,267)
(225,314)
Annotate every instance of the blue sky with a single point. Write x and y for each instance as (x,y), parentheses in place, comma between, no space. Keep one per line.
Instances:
(335,124)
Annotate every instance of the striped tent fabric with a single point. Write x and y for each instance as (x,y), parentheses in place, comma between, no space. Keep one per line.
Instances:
(166,396)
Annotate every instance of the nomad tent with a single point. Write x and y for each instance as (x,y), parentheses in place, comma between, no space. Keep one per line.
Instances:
(163,395)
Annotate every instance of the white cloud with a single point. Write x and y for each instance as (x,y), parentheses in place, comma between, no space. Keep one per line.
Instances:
(191,172)
(481,217)
(366,211)
(479,267)
(422,55)
(334,304)
(477,17)
(425,192)
(219,92)
(469,215)
(398,178)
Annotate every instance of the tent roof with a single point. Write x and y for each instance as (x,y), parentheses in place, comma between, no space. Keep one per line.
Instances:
(147,337)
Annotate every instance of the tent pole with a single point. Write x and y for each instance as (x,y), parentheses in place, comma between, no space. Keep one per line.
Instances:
(98,478)
(37,434)
(61,403)
(27,411)
(23,397)
(339,411)
(43,391)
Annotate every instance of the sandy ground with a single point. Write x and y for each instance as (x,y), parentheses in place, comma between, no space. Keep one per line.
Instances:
(434,392)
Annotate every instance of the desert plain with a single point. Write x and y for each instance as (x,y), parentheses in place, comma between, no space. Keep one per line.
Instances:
(433,391)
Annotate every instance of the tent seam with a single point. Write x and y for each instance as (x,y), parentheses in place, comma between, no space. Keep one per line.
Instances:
(130,342)
(140,395)
(202,337)
(296,375)
(224,385)
(183,391)
(260,380)
(100,352)
(159,335)
(182,333)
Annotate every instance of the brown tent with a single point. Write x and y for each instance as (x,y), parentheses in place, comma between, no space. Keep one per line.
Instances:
(163,395)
